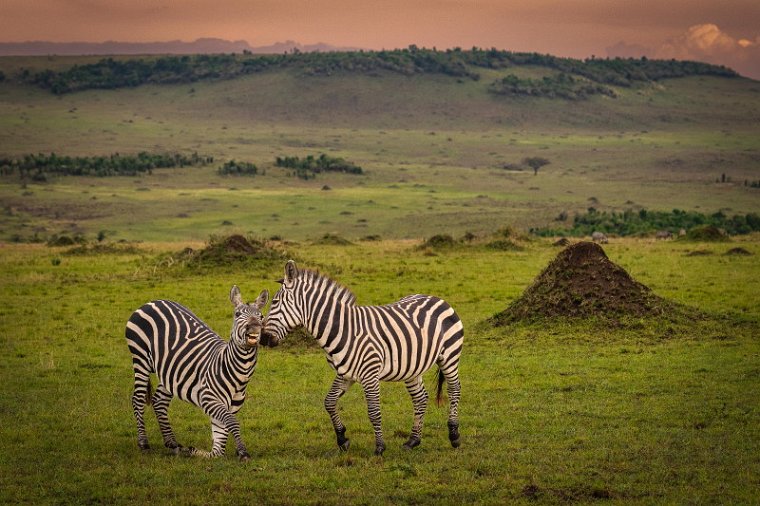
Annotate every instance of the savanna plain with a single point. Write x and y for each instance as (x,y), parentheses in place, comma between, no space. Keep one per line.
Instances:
(622,409)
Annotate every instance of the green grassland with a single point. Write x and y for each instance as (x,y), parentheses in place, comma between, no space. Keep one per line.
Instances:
(433,149)
(640,411)
(631,410)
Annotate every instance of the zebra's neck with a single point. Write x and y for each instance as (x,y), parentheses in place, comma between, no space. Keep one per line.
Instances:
(235,359)
(329,317)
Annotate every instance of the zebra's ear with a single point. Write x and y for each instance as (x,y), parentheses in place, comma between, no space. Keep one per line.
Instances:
(262,299)
(291,273)
(235,296)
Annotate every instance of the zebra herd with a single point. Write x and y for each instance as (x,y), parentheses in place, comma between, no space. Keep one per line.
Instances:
(364,344)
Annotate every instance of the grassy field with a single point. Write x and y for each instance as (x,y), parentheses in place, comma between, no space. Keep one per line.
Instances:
(635,411)
(644,411)
(433,149)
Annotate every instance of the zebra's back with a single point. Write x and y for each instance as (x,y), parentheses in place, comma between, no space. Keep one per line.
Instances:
(169,340)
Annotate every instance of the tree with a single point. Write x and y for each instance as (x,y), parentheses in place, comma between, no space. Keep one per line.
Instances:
(535,163)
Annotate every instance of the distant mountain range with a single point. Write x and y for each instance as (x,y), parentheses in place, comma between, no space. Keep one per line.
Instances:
(199,46)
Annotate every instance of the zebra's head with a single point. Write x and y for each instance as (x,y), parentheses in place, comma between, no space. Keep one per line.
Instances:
(247,324)
(285,314)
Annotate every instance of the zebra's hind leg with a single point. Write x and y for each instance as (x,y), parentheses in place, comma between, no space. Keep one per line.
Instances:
(416,389)
(339,387)
(161,399)
(450,371)
(141,397)
(372,395)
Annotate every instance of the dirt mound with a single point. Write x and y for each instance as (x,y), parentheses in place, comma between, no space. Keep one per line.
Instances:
(332,240)
(582,282)
(706,233)
(439,241)
(228,250)
(738,251)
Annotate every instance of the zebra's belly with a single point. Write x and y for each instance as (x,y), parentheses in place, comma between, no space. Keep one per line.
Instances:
(408,363)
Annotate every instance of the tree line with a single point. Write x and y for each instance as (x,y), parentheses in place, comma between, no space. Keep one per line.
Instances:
(38,167)
(110,73)
(643,222)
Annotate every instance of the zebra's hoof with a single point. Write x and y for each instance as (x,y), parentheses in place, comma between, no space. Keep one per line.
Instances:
(413,442)
(379,450)
(345,445)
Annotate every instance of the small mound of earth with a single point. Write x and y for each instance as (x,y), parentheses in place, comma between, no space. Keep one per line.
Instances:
(706,233)
(439,241)
(699,253)
(332,240)
(582,282)
(228,250)
(738,251)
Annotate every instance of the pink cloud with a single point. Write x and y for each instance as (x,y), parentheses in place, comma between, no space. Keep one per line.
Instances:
(705,42)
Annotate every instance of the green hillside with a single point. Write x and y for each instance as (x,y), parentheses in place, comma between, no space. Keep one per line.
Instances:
(439,152)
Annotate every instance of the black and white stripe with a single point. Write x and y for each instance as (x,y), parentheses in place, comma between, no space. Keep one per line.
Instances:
(193,363)
(370,344)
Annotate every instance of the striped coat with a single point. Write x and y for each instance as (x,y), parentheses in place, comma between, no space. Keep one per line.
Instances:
(369,344)
(193,363)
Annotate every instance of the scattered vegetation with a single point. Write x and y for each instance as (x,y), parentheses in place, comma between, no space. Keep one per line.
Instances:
(233,168)
(562,86)
(644,222)
(38,167)
(310,166)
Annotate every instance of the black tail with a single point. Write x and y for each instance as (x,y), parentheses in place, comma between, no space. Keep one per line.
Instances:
(439,395)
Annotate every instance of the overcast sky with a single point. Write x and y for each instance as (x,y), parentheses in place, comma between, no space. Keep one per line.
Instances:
(726,31)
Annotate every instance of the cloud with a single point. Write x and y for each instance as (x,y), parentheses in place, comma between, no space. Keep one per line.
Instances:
(704,42)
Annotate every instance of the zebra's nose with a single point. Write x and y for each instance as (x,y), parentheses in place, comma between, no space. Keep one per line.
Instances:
(268,339)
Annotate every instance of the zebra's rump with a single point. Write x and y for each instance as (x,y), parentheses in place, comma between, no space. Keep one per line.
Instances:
(167,339)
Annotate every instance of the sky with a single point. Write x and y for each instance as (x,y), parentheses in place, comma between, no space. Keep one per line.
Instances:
(717,31)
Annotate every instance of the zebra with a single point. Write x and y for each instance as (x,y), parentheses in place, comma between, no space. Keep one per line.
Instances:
(193,363)
(369,344)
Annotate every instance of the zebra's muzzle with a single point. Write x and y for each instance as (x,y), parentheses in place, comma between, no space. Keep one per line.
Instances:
(252,338)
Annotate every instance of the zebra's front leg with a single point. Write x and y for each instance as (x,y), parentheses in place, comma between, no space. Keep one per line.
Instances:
(338,388)
(219,412)
(372,395)
(219,442)
(161,399)
(416,389)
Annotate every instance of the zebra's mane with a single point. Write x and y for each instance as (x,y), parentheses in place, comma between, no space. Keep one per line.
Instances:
(341,292)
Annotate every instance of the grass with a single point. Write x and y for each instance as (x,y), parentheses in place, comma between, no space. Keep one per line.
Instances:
(646,411)
(633,410)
